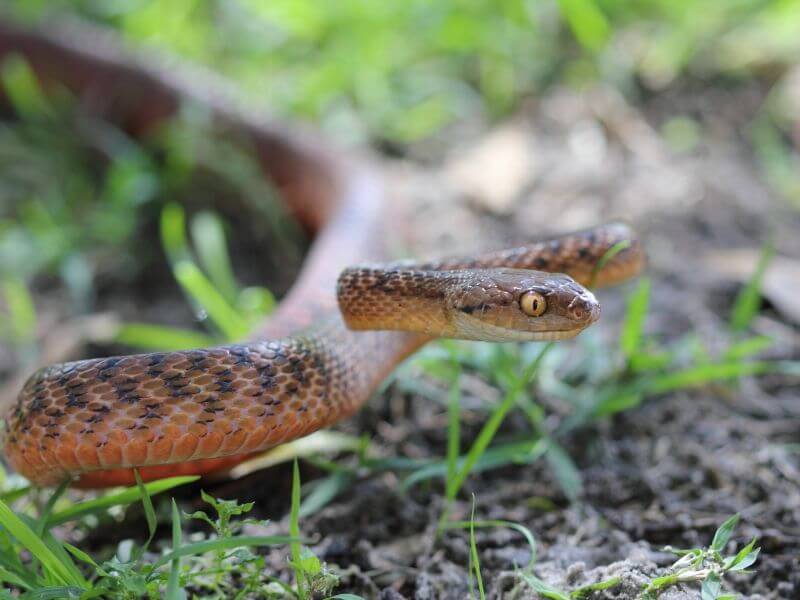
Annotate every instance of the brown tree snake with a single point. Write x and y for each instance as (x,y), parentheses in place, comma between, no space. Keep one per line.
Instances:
(320,356)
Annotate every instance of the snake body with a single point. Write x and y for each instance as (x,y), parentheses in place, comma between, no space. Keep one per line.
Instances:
(335,337)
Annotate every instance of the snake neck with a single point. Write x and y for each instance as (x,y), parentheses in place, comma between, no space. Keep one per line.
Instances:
(397,299)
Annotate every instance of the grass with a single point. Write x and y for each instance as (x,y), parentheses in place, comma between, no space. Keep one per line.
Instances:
(423,67)
(210,287)
(220,562)
(748,301)
(474,560)
(707,566)
(458,469)
(474,568)
(545,590)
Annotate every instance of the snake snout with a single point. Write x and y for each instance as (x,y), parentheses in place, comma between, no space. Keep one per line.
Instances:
(584,308)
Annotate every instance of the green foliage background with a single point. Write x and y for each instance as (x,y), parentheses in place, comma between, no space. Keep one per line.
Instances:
(402,70)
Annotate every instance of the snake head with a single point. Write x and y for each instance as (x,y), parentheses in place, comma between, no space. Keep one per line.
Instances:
(519,305)
(495,305)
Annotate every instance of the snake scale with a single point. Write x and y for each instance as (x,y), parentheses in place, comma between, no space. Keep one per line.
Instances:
(335,336)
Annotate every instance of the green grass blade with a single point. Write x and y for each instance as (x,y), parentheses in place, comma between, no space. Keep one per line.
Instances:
(79,554)
(11,562)
(606,258)
(14,495)
(454,424)
(633,326)
(473,552)
(60,551)
(587,22)
(208,236)
(565,471)
(59,592)
(294,532)
(162,338)
(241,541)
(173,233)
(587,591)
(320,442)
(526,452)
(255,303)
(126,496)
(41,524)
(491,426)
(482,442)
(149,511)
(748,301)
(616,400)
(174,592)
(8,576)
(704,374)
(38,548)
(545,590)
(325,491)
(203,292)
(22,89)
(21,311)
(747,347)
(524,531)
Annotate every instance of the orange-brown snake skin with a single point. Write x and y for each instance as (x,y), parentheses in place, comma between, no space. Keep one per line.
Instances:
(199,411)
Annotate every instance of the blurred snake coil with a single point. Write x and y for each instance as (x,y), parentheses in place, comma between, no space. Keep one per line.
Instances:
(335,336)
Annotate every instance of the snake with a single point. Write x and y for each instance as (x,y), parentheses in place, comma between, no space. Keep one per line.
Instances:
(351,317)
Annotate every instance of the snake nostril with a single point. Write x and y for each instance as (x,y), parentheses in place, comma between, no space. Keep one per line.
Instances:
(585,311)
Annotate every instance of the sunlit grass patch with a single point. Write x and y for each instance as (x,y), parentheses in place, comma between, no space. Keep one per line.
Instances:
(423,67)
(34,561)
(53,567)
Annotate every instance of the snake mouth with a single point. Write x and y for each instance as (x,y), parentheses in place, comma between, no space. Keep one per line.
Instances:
(470,328)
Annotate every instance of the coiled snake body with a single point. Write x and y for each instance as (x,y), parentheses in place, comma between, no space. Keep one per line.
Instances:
(199,411)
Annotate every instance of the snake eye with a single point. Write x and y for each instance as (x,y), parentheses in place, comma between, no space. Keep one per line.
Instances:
(533,304)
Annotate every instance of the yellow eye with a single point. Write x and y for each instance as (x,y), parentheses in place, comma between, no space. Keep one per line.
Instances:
(533,304)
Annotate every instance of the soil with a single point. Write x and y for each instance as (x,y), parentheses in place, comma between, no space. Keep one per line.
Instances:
(666,473)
